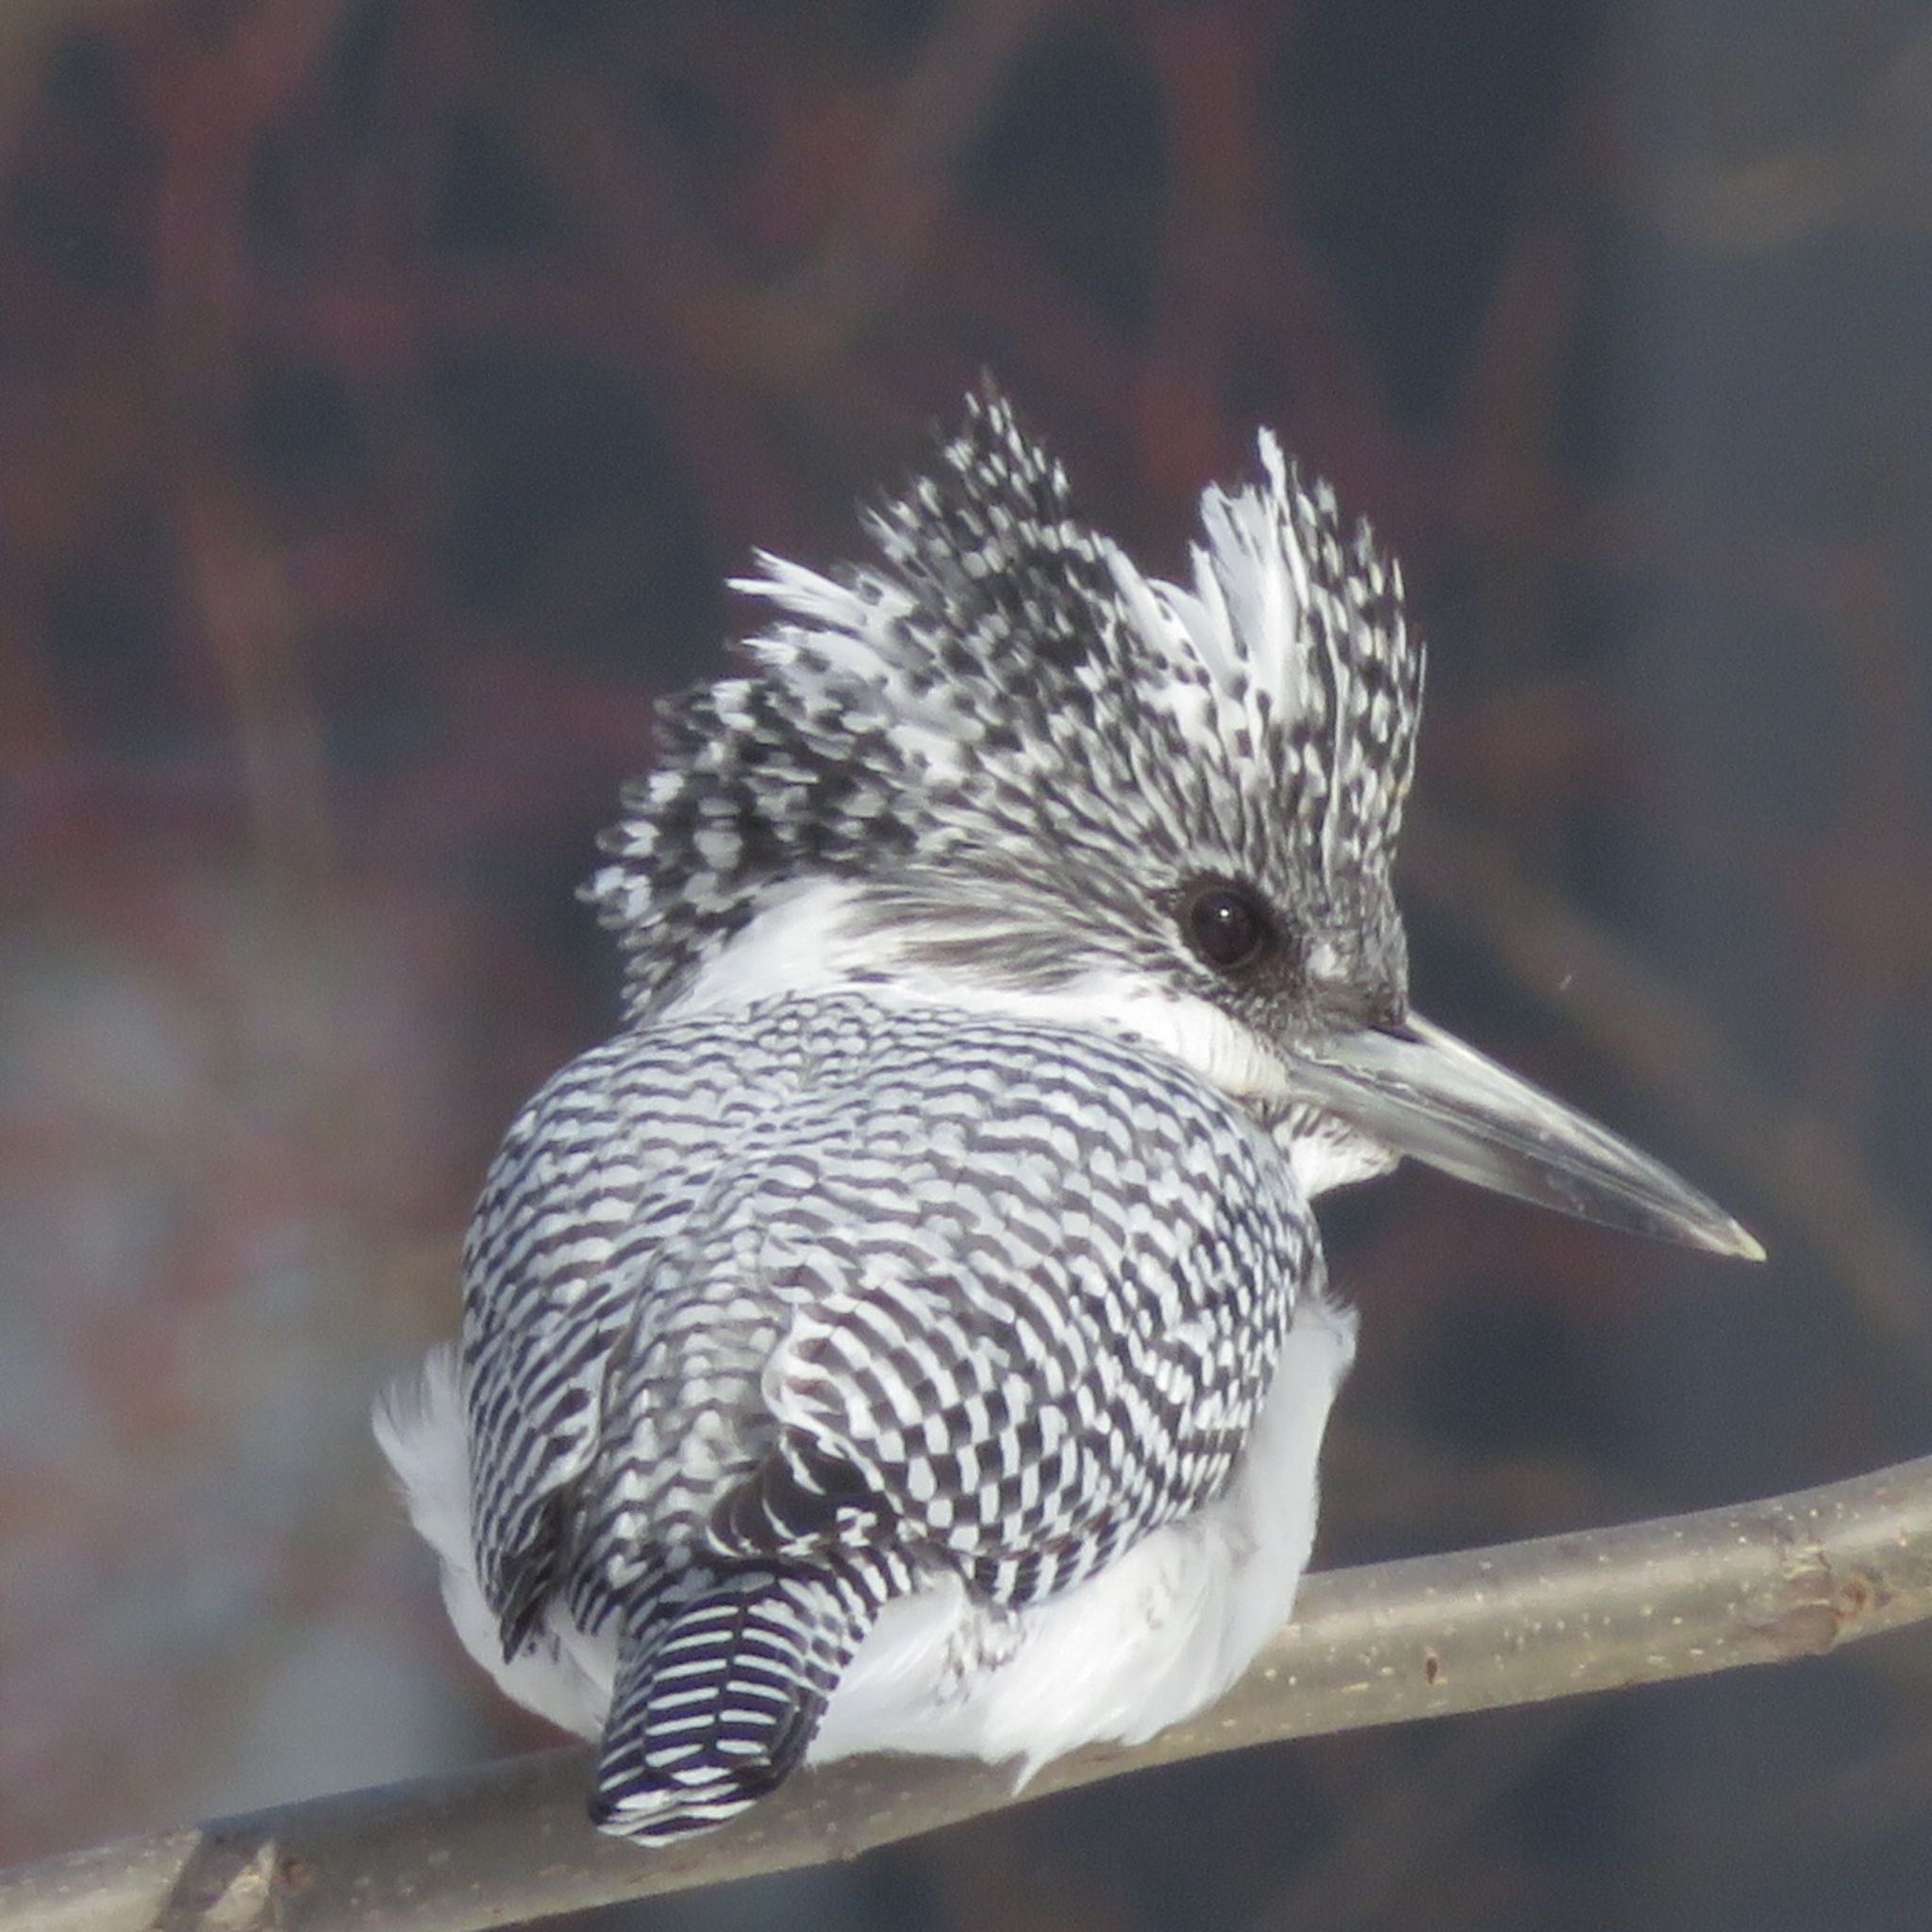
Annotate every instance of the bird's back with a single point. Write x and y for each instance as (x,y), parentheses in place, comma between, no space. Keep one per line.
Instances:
(775,1317)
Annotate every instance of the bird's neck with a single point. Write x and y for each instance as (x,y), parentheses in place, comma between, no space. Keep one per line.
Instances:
(807,941)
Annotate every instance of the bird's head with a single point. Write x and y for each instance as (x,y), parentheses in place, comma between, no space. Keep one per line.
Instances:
(1002,769)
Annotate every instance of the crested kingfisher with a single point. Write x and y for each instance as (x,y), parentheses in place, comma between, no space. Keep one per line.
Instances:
(910,1332)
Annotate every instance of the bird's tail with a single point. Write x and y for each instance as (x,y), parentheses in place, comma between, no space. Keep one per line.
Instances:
(717,1703)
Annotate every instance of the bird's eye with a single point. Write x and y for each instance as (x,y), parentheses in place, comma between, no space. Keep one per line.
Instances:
(1228,925)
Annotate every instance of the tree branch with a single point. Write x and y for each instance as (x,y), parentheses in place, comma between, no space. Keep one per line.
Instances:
(1469,1631)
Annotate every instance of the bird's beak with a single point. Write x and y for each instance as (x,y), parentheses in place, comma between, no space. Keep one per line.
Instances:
(1419,1091)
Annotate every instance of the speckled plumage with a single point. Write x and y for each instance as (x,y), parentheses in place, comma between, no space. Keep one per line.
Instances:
(844,1297)
(909,1331)
(1008,737)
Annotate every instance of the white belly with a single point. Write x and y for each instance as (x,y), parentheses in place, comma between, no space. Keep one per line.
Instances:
(1154,1637)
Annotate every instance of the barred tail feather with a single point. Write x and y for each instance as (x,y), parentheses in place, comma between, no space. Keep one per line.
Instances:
(717,1705)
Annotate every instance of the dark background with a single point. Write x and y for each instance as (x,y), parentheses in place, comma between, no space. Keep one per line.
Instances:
(386,388)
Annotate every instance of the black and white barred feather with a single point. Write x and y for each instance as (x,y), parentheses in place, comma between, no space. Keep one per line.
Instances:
(783,1317)
(1001,729)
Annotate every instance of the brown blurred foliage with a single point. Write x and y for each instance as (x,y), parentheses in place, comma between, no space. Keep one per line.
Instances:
(386,389)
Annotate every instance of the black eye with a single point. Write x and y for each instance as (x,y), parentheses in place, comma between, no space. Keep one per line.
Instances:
(1228,925)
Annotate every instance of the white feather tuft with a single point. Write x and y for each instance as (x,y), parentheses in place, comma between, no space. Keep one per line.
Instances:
(563,1675)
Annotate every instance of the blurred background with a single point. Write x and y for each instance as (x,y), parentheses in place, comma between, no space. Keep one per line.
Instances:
(386,389)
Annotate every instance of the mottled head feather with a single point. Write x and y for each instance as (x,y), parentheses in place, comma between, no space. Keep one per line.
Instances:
(1017,749)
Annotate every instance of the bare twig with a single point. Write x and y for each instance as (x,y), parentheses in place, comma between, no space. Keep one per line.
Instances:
(1869,171)
(1468,1631)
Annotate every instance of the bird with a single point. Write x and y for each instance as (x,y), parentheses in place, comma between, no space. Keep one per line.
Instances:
(910,1330)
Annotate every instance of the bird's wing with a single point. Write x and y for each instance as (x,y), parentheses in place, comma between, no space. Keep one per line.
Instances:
(767,1318)
(848,1281)
(604,1169)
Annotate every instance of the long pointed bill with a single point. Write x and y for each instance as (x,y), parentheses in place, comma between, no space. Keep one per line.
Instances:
(1421,1092)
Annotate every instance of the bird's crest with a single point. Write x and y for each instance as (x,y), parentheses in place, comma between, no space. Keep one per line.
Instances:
(1003,718)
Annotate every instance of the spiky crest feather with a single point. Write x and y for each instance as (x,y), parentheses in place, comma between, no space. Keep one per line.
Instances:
(1005,680)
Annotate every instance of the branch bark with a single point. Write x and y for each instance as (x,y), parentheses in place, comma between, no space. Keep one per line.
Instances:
(505,1842)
